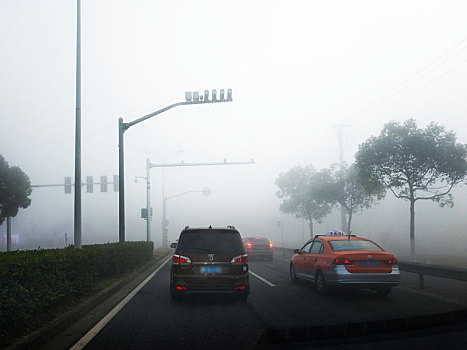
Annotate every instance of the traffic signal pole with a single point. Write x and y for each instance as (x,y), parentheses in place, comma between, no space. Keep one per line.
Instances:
(148,202)
(191,98)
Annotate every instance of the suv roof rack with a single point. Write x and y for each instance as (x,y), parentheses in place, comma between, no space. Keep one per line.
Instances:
(231,227)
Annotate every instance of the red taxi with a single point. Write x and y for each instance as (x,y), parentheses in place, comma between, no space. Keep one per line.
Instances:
(337,259)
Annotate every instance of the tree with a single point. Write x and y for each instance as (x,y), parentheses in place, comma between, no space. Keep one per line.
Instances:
(15,188)
(414,164)
(298,187)
(344,188)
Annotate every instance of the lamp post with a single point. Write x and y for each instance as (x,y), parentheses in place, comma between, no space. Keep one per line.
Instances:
(77,200)
(190,99)
(205,191)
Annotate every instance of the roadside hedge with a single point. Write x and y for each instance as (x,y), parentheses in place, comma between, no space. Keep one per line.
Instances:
(33,281)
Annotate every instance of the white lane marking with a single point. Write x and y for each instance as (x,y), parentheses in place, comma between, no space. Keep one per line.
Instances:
(101,324)
(263,279)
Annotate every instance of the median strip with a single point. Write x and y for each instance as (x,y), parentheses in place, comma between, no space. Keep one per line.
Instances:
(263,279)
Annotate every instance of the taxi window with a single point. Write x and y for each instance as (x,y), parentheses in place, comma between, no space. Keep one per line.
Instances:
(306,248)
(317,248)
(354,244)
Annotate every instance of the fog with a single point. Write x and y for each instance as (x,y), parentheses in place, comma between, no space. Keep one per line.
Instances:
(297,70)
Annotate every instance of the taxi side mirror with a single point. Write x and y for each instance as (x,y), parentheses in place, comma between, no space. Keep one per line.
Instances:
(173,245)
(296,251)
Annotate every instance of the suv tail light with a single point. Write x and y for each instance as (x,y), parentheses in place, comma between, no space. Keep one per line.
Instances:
(270,245)
(341,261)
(392,261)
(240,259)
(179,259)
(248,245)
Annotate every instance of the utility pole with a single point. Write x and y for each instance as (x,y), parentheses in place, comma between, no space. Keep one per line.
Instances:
(341,168)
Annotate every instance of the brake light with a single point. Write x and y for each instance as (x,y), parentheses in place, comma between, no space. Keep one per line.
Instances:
(270,245)
(240,259)
(179,259)
(341,261)
(248,245)
(181,288)
(392,261)
(240,288)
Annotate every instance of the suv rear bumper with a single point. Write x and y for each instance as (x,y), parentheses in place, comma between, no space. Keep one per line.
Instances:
(209,284)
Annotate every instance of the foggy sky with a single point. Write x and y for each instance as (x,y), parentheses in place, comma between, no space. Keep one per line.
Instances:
(297,69)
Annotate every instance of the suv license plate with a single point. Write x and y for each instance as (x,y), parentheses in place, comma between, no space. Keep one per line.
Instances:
(210,269)
(370,263)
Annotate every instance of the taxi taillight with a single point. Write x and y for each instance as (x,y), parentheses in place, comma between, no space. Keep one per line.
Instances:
(392,261)
(341,261)
(179,259)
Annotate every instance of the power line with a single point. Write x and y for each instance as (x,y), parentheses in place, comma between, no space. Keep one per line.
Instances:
(413,79)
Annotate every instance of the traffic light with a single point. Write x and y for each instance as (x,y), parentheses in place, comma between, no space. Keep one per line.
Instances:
(67,184)
(116,183)
(103,183)
(89,184)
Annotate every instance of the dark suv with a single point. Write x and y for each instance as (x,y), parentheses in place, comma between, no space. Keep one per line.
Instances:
(209,260)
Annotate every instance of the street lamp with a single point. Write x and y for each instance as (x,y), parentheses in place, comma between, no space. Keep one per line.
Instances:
(190,98)
(183,164)
(205,191)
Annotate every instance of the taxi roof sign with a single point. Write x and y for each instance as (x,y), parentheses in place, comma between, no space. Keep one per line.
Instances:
(335,233)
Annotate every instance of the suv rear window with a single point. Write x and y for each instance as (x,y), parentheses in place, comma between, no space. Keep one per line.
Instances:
(211,240)
(354,244)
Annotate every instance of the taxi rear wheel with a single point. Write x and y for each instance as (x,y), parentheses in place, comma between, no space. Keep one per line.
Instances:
(320,283)
(293,275)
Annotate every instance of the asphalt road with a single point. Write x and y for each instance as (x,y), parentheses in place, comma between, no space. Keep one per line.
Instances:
(279,314)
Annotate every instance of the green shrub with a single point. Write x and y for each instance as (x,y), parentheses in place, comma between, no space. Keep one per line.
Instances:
(35,280)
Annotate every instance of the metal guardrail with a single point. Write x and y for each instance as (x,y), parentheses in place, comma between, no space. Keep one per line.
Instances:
(455,273)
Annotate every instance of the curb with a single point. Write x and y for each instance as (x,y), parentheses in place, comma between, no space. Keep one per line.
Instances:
(44,334)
